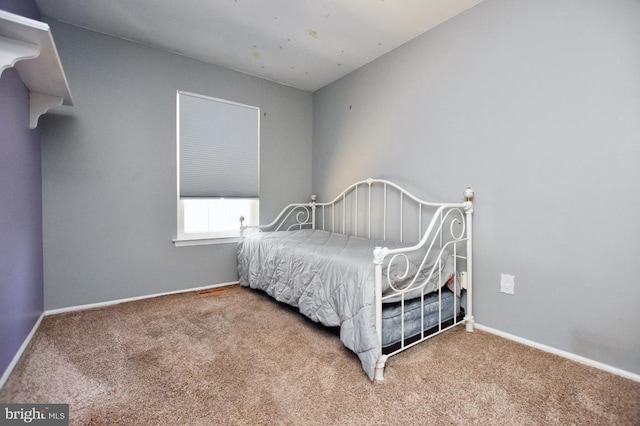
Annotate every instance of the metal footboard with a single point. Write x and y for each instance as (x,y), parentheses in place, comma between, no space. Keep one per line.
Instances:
(436,239)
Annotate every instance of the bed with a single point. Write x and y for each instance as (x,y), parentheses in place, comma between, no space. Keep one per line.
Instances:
(387,268)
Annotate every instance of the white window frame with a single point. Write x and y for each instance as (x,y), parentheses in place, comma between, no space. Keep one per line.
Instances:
(251,217)
(218,237)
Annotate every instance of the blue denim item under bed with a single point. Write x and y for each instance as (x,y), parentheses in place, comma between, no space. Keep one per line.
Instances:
(391,316)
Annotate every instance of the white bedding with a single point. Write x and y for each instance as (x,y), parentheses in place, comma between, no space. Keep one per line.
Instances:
(329,277)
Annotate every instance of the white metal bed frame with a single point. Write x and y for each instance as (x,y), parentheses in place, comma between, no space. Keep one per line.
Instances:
(377,208)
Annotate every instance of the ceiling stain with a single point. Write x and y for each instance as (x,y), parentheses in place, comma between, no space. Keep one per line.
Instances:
(349,31)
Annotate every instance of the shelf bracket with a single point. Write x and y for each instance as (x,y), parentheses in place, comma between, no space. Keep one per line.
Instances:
(13,51)
(39,103)
(28,46)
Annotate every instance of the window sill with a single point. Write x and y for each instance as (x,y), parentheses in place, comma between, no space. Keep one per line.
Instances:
(185,242)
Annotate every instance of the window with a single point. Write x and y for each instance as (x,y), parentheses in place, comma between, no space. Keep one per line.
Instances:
(218,166)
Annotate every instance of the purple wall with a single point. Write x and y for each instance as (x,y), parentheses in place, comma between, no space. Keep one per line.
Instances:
(26,8)
(21,277)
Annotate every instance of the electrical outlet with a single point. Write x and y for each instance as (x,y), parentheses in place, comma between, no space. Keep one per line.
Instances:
(463,280)
(508,284)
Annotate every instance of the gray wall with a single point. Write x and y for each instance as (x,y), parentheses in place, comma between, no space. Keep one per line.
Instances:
(109,168)
(536,104)
(21,292)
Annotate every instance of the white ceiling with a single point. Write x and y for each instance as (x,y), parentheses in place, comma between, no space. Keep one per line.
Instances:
(306,44)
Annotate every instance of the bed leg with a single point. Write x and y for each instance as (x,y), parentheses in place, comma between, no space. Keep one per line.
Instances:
(469,323)
(379,373)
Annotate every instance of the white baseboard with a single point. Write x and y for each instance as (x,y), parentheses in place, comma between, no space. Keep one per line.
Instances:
(564,354)
(27,340)
(18,355)
(131,299)
(545,348)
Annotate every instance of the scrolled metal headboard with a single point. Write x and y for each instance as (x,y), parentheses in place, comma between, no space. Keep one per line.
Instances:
(375,209)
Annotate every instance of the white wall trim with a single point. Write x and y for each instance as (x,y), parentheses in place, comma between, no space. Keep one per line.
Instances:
(18,355)
(131,299)
(204,241)
(599,365)
(582,360)
(27,340)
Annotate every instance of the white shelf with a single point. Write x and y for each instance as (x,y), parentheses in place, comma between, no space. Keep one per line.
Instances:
(27,45)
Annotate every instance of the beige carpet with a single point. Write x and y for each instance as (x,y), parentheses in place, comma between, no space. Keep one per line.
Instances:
(237,357)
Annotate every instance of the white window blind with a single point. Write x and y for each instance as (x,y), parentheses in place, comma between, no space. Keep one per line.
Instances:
(218,147)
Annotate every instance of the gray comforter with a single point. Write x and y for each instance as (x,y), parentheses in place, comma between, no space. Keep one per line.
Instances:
(329,277)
